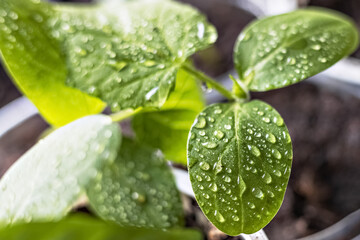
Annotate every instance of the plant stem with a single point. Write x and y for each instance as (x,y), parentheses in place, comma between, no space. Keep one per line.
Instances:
(203,77)
(240,89)
(122,115)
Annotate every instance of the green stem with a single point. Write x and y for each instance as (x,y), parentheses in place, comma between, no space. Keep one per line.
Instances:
(240,89)
(203,77)
(122,115)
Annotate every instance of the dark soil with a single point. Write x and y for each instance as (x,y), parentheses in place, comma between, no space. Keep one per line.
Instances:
(18,141)
(325,128)
(7,90)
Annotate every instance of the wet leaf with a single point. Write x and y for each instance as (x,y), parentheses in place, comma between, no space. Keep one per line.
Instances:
(137,190)
(128,53)
(239,164)
(34,60)
(168,128)
(282,50)
(46,181)
(81,227)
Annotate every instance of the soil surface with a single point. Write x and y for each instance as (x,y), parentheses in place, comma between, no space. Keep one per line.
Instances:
(7,90)
(325,129)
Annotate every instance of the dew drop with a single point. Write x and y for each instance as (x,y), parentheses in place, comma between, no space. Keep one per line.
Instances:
(227,126)
(316,47)
(276,153)
(202,133)
(200,122)
(288,138)
(208,178)
(118,65)
(138,197)
(149,63)
(277,173)
(235,218)
(266,119)
(210,145)
(204,166)
(213,187)
(151,93)
(227,179)
(267,178)
(218,134)
(219,216)
(251,205)
(218,167)
(271,194)
(245,37)
(322,59)
(270,138)
(291,60)
(258,193)
(217,111)
(211,119)
(254,150)
(278,121)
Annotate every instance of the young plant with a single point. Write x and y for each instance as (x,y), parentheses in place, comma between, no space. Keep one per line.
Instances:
(72,61)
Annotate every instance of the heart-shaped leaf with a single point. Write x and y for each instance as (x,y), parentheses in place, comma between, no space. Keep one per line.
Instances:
(37,65)
(168,128)
(138,189)
(128,53)
(45,182)
(80,227)
(239,160)
(282,50)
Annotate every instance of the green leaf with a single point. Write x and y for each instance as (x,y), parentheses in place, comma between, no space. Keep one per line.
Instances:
(137,190)
(81,227)
(128,53)
(46,181)
(168,128)
(239,164)
(282,50)
(37,65)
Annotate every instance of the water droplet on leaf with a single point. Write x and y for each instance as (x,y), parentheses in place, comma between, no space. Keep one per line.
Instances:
(210,145)
(200,122)
(219,216)
(218,134)
(204,166)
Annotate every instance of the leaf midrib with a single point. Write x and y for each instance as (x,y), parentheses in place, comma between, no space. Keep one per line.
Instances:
(237,110)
